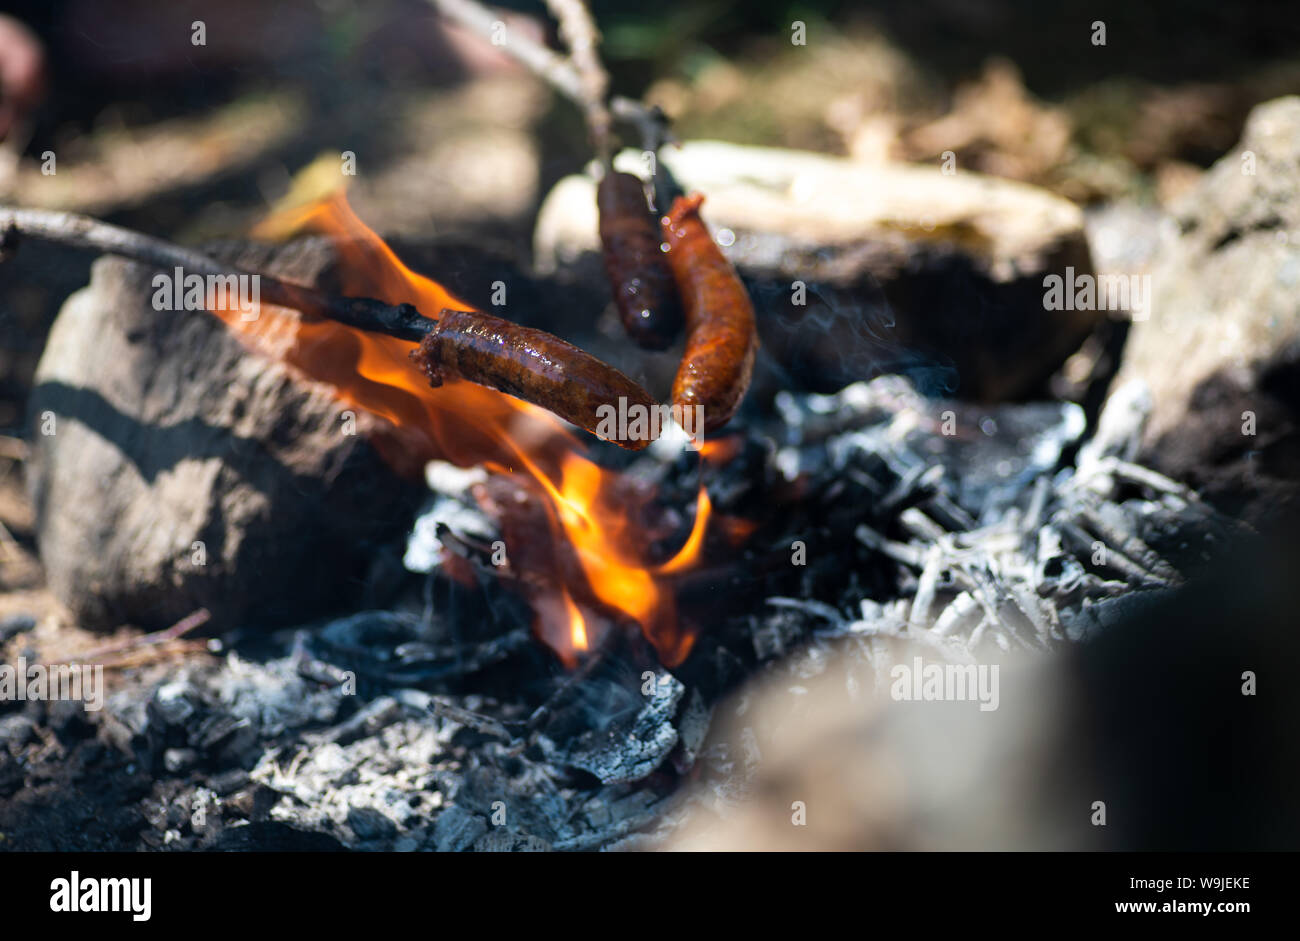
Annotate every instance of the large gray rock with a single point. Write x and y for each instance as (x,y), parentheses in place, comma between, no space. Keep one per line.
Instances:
(168,434)
(1221,349)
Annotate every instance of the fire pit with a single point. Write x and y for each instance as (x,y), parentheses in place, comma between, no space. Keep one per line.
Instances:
(427,545)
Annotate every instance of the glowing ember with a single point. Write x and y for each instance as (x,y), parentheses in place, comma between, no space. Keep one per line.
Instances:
(590,509)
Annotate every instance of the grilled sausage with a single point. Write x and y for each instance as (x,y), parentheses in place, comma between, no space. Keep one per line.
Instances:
(721,337)
(537,367)
(638,273)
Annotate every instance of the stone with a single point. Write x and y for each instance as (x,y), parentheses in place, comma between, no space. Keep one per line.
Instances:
(172,469)
(1221,349)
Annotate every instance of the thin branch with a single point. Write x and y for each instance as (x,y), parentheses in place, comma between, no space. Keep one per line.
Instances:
(653,128)
(580,77)
(650,122)
(542,61)
(66,228)
(578,30)
(190,622)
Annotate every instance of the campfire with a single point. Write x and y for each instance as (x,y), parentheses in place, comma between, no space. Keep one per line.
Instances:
(413,544)
(587,572)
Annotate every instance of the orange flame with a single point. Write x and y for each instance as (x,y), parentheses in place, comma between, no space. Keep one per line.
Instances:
(589,508)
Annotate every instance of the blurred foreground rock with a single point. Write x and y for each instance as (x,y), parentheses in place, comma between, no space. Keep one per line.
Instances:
(1221,351)
(183,471)
(905,268)
(1158,718)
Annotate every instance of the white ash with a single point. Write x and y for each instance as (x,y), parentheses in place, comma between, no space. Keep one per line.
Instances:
(449,484)
(380,788)
(976,545)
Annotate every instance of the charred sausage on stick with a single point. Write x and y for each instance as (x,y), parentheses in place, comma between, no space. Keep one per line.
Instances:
(638,272)
(721,336)
(532,365)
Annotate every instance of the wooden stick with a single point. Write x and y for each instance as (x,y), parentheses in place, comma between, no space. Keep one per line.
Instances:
(66,228)
(578,30)
(542,61)
(581,77)
(190,622)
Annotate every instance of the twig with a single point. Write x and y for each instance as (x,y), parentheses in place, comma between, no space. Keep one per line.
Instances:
(474,720)
(578,30)
(542,61)
(650,122)
(66,228)
(190,622)
(580,77)
(653,128)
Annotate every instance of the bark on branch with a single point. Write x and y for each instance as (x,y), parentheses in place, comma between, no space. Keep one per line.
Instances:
(76,231)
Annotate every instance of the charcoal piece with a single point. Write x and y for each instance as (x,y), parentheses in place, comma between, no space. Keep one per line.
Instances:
(777,632)
(174,703)
(503,840)
(273,836)
(631,747)
(228,782)
(225,736)
(370,824)
(369,720)
(692,727)
(11,775)
(457,829)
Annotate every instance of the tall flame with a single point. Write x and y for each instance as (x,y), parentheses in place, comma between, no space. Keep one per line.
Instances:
(591,511)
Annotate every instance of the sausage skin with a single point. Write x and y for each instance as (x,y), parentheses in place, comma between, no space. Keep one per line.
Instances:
(532,365)
(638,273)
(721,336)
